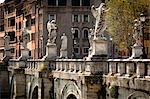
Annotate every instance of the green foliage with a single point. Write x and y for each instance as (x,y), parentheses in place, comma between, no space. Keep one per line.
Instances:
(120,19)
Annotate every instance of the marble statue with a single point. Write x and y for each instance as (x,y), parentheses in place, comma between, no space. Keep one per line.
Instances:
(25,39)
(24,24)
(137,33)
(7,41)
(63,50)
(64,42)
(137,48)
(51,27)
(98,14)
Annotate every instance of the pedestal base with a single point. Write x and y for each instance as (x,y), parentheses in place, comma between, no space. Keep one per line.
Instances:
(51,52)
(137,52)
(99,48)
(24,54)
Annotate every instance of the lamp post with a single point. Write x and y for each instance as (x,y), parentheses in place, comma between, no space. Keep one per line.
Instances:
(142,20)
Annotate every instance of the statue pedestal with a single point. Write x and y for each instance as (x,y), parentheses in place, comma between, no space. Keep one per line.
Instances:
(51,51)
(137,51)
(99,48)
(24,54)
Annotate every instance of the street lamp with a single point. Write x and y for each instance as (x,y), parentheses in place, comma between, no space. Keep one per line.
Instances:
(142,20)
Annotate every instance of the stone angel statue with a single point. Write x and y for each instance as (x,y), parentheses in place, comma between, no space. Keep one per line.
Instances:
(98,14)
(137,33)
(51,27)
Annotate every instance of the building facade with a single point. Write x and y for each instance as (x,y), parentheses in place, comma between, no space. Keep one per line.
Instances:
(2,33)
(73,17)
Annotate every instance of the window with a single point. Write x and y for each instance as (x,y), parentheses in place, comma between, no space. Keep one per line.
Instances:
(12,36)
(2,28)
(52,17)
(85,18)
(32,21)
(76,50)
(19,25)
(76,33)
(11,21)
(52,2)
(29,53)
(75,2)
(75,18)
(85,50)
(62,2)
(85,2)
(85,34)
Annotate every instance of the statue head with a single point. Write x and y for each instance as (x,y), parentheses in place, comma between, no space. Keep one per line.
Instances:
(64,34)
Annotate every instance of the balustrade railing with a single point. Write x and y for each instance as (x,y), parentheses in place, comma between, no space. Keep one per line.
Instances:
(70,65)
(118,67)
(126,67)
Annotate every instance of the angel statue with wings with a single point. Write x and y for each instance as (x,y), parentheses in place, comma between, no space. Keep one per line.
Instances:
(98,14)
(51,27)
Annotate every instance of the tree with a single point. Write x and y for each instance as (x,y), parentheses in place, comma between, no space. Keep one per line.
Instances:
(120,20)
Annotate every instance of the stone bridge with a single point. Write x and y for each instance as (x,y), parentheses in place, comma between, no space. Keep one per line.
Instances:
(79,79)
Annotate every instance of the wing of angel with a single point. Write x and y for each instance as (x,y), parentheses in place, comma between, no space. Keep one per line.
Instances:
(48,25)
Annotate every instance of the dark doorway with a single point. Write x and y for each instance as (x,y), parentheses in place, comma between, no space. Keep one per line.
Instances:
(35,93)
(71,96)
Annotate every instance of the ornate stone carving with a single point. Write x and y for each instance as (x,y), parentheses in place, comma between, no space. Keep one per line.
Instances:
(137,33)
(51,27)
(51,48)
(100,25)
(138,46)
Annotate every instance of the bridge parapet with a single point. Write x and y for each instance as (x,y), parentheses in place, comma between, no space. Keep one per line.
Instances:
(119,67)
(16,64)
(36,66)
(70,65)
(129,67)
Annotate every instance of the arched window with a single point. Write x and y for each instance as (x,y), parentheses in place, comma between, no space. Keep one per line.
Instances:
(85,34)
(75,33)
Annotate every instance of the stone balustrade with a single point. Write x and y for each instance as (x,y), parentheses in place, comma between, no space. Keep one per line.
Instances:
(16,64)
(118,67)
(70,65)
(34,66)
(129,67)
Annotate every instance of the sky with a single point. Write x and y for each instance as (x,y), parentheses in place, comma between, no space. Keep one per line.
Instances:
(1,1)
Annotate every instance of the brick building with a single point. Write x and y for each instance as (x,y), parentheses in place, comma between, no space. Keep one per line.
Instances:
(2,33)
(73,17)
